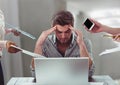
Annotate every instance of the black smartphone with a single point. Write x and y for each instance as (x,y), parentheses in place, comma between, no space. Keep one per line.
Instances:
(89,24)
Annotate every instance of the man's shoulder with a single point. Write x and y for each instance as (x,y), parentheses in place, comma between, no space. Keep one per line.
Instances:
(86,39)
(50,37)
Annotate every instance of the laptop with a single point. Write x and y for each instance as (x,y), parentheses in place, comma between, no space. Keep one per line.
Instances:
(61,71)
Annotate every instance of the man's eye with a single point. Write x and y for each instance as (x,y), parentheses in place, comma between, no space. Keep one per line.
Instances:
(68,31)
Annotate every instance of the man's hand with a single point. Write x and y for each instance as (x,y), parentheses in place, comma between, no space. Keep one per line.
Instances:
(81,44)
(45,34)
(41,39)
(11,49)
(79,35)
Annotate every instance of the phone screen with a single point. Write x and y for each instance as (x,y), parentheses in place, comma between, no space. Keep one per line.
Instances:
(88,24)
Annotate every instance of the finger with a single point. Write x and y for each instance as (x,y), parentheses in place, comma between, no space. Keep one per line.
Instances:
(49,31)
(77,32)
(86,28)
(54,28)
(17,32)
(73,29)
(95,22)
(115,38)
(92,20)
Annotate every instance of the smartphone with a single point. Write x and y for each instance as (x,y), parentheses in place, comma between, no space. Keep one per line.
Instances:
(89,24)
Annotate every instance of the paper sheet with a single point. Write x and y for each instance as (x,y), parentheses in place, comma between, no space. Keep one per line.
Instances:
(28,52)
(110,51)
(25,33)
(21,31)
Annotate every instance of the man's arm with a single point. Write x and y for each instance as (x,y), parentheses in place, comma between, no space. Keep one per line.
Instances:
(38,48)
(82,46)
(40,41)
(84,52)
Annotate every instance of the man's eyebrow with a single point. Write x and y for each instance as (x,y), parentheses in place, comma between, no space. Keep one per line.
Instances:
(68,30)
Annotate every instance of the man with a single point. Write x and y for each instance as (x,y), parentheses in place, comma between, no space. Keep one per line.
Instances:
(64,41)
(103,28)
(4,43)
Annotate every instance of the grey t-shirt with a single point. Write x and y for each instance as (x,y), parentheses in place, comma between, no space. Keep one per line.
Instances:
(50,49)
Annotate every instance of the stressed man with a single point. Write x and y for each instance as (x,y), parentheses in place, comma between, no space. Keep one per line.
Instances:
(63,40)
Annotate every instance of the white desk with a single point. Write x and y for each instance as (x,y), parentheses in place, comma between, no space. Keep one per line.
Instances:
(98,80)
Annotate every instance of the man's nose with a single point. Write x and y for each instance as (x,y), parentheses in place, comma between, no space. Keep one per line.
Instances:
(63,35)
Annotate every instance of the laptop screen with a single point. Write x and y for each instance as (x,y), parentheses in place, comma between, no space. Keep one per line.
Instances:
(61,71)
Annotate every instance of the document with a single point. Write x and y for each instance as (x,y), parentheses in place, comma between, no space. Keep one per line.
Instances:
(110,51)
(28,52)
(107,51)
(24,33)
(21,31)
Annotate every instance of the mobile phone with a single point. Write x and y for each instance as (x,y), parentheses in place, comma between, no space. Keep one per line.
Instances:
(89,24)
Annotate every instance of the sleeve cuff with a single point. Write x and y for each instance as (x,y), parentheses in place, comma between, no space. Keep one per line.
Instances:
(3,44)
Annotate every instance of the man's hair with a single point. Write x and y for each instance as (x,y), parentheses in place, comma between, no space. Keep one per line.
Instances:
(63,18)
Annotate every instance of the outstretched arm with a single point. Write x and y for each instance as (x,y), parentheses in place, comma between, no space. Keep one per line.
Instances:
(103,28)
(40,41)
(98,27)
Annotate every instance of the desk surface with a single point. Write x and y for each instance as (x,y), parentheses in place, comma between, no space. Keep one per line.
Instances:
(97,80)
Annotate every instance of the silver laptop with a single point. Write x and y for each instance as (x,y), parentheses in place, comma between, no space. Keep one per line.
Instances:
(61,71)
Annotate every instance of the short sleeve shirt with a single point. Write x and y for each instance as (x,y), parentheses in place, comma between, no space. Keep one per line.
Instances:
(50,49)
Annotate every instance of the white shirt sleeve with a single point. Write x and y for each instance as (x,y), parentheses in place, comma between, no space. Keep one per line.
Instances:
(3,43)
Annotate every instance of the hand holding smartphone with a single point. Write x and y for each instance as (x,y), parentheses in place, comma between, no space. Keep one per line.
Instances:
(89,24)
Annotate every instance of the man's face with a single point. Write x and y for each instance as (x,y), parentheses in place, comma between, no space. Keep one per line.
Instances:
(63,33)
